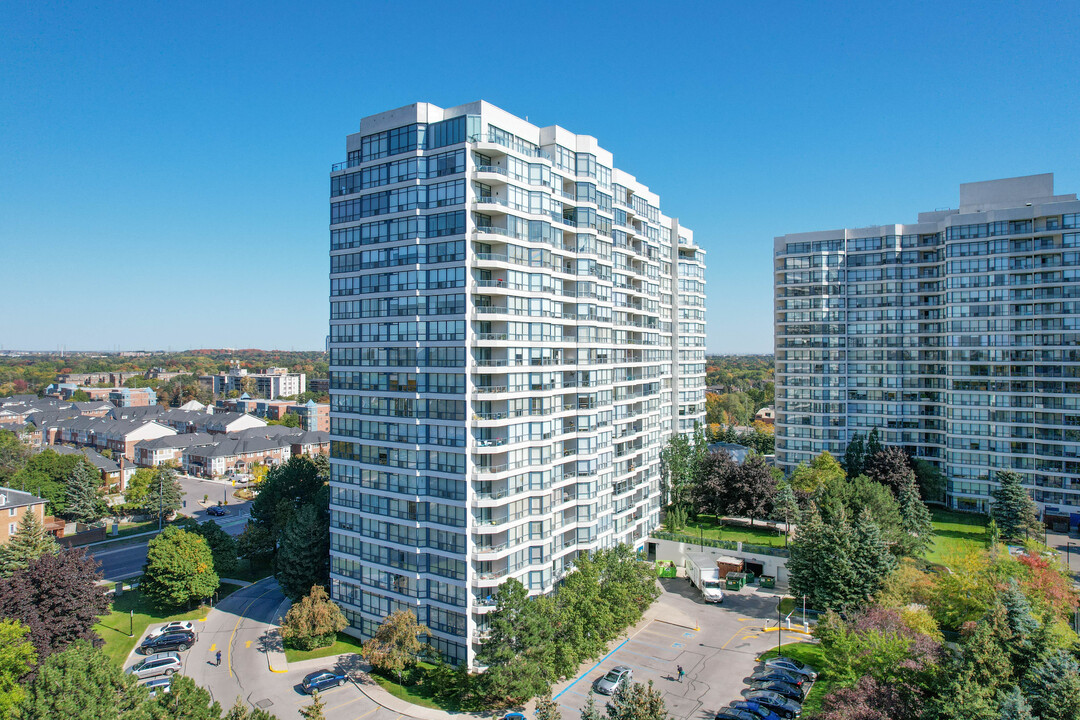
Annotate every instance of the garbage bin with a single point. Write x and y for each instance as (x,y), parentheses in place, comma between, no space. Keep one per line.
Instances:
(735,581)
(768,581)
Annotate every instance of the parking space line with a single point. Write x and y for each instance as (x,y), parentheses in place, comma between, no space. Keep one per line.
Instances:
(651,657)
(578,679)
(368,712)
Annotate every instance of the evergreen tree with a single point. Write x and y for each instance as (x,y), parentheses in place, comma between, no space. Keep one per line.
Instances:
(84,502)
(931,481)
(1053,687)
(870,557)
(854,456)
(303,558)
(29,543)
(785,506)
(184,700)
(993,534)
(179,569)
(82,683)
(314,711)
(1013,509)
(589,711)
(1014,706)
(517,649)
(547,709)
(164,495)
(635,701)
(240,711)
(820,563)
(873,444)
(915,521)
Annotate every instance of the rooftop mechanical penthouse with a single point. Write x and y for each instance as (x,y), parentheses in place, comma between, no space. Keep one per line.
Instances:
(515,331)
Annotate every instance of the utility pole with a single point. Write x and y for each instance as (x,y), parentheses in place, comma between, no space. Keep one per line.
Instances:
(779,626)
(161,499)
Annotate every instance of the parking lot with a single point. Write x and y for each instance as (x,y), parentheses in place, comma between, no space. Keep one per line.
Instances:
(717,646)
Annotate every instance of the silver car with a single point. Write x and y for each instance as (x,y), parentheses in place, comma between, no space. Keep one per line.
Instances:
(791,665)
(154,665)
(161,684)
(608,684)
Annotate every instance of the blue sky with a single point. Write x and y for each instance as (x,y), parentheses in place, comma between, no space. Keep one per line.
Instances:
(165,166)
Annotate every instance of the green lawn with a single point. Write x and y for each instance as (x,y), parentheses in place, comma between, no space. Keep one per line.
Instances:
(345,644)
(956,533)
(708,526)
(415,694)
(113,628)
(811,654)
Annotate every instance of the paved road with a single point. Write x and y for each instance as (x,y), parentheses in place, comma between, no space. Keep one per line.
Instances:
(125,562)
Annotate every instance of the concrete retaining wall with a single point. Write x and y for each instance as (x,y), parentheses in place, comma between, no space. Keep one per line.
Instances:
(674,551)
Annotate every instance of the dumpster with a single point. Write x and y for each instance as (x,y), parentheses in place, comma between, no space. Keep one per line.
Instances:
(768,581)
(735,581)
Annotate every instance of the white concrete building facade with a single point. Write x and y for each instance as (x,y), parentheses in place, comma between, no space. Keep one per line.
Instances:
(958,337)
(515,331)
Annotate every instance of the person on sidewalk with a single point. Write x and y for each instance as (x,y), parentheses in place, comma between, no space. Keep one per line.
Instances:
(681,672)
(218,656)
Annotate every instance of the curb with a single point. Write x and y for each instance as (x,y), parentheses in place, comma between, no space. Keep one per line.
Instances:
(275,626)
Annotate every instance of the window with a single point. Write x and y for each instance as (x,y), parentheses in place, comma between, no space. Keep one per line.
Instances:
(11,528)
(11,512)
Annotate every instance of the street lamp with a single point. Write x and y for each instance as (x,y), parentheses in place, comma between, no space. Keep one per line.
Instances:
(1068,555)
(779,626)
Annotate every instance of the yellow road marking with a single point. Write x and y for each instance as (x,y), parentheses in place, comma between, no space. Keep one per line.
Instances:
(732,638)
(238,621)
(347,702)
(247,644)
(367,713)
(213,647)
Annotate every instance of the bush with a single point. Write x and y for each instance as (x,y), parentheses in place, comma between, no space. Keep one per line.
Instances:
(313,622)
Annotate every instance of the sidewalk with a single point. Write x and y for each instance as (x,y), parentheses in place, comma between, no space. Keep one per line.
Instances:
(275,646)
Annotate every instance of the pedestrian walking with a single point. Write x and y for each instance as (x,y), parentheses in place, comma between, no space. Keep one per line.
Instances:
(218,656)
(681,671)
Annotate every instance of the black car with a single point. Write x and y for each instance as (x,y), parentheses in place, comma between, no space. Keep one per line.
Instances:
(780,688)
(779,704)
(776,674)
(734,714)
(322,679)
(217,510)
(180,641)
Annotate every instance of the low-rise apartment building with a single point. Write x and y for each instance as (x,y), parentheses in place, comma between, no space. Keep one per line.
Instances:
(235,455)
(151,453)
(272,383)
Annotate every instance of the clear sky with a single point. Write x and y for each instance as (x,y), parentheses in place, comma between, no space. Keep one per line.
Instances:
(164,166)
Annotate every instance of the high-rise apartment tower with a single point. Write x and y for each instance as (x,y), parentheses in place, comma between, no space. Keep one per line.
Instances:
(515,331)
(958,337)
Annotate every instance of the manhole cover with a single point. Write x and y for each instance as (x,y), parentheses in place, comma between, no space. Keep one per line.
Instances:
(264,703)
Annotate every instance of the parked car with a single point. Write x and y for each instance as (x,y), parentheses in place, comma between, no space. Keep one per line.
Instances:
(217,510)
(321,680)
(791,665)
(175,626)
(154,665)
(514,716)
(777,674)
(734,714)
(608,684)
(162,684)
(780,688)
(779,704)
(179,641)
(761,711)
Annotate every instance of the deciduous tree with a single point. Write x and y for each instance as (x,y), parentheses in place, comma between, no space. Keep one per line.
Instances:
(753,488)
(823,469)
(286,489)
(45,474)
(313,622)
(1013,509)
(17,657)
(179,569)
(712,489)
(517,649)
(255,544)
(396,643)
(57,597)
(890,467)
(303,557)
(547,709)
(223,546)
